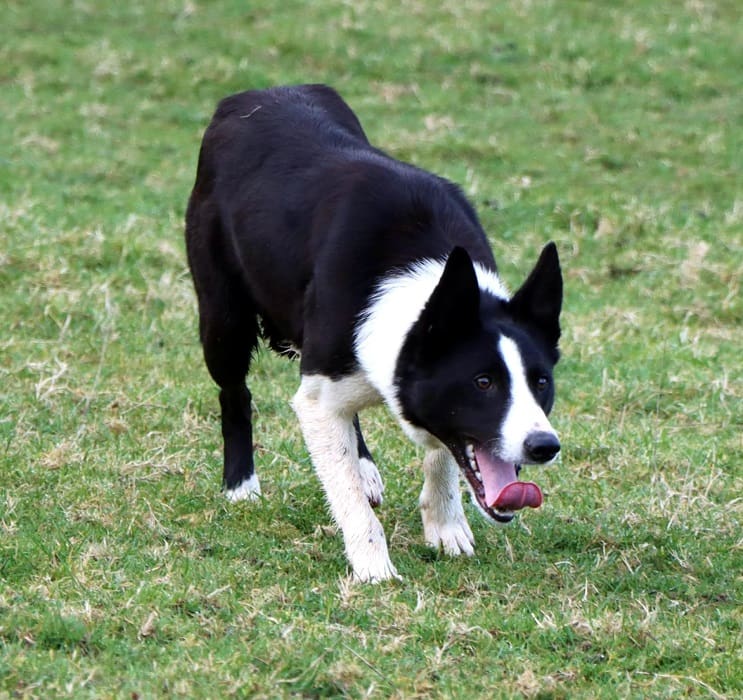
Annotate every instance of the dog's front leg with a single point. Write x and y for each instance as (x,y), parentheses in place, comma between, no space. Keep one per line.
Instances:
(330,437)
(444,522)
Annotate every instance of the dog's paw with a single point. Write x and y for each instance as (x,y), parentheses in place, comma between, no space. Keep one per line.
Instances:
(375,572)
(248,490)
(371,481)
(454,536)
(368,555)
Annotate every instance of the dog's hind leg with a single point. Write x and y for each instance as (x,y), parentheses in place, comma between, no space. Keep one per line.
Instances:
(370,478)
(227,349)
(444,522)
(229,334)
(239,479)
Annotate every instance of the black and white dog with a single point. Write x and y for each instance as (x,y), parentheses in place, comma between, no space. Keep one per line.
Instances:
(380,276)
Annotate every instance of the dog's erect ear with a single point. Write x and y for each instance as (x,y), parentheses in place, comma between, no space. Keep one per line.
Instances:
(539,300)
(452,310)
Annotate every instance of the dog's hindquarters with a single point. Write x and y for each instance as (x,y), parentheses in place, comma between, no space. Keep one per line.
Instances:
(248,235)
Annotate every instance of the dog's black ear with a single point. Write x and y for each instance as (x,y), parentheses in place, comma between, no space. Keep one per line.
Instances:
(539,300)
(452,310)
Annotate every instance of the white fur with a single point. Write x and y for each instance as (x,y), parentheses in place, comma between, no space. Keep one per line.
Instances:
(444,522)
(325,409)
(248,490)
(393,310)
(371,481)
(489,281)
(524,415)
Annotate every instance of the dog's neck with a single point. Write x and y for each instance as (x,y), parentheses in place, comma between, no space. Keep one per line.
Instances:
(385,323)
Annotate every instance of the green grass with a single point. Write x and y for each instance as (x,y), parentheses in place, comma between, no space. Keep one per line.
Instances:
(615,129)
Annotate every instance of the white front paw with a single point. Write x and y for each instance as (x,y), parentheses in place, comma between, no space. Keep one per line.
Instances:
(454,535)
(375,572)
(371,482)
(369,558)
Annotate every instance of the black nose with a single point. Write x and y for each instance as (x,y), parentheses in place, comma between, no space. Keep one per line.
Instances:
(541,446)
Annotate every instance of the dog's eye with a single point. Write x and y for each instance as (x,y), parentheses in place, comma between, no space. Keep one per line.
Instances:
(484,382)
(542,383)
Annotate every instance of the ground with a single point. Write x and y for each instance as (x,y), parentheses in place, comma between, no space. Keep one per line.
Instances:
(613,129)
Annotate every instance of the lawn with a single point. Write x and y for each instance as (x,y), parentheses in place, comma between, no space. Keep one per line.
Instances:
(614,129)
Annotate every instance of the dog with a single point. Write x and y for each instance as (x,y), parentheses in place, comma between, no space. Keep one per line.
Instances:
(380,277)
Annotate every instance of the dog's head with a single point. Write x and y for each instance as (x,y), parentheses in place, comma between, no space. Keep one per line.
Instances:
(475,371)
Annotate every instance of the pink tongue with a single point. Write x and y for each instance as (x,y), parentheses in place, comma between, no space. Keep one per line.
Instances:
(518,495)
(502,490)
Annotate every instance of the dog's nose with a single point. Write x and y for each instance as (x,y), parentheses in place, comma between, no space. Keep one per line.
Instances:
(541,446)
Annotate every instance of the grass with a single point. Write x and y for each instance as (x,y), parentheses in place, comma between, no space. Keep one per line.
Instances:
(615,129)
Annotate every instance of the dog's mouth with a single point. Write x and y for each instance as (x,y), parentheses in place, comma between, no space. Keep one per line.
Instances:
(494,483)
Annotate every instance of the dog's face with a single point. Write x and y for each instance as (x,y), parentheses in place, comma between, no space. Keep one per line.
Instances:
(476,372)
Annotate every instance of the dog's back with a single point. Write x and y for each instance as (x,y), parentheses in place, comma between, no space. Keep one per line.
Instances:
(291,193)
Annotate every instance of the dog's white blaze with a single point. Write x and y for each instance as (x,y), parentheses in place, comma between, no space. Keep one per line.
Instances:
(325,409)
(384,325)
(524,414)
(248,490)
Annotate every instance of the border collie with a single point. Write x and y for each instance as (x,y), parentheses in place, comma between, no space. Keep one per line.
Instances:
(380,276)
